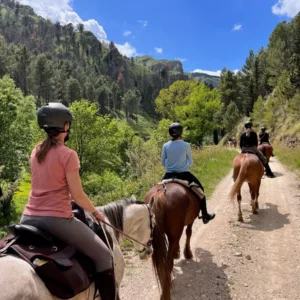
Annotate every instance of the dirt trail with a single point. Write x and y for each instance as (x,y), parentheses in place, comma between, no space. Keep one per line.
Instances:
(258,259)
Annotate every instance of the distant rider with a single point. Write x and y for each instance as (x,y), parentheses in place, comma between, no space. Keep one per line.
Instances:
(264,138)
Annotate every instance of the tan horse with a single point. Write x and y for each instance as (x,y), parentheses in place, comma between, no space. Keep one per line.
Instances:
(174,207)
(266,149)
(246,168)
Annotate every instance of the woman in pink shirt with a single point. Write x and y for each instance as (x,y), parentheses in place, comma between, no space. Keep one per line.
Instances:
(55,181)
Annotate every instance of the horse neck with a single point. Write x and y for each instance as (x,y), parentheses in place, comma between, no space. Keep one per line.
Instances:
(136,221)
(133,216)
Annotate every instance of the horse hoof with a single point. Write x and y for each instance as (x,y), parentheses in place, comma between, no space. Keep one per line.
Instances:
(177,255)
(241,220)
(188,255)
(255,212)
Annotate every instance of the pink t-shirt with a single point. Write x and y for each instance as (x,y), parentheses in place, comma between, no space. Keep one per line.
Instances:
(50,193)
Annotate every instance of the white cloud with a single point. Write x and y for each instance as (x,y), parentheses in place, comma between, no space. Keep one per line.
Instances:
(62,11)
(143,23)
(181,59)
(127,50)
(158,50)
(93,26)
(237,27)
(127,33)
(213,73)
(286,8)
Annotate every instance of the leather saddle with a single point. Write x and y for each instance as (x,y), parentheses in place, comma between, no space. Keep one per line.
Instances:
(249,152)
(191,186)
(65,271)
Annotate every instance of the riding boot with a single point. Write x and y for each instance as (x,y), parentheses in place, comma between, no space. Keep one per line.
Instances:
(206,217)
(106,285)
(269,173)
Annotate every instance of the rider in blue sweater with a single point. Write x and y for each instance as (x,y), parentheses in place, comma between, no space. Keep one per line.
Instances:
(177,159)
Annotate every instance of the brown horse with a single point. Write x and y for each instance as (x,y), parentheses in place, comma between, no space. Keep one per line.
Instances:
(266,149)
(174,207)
(246,168)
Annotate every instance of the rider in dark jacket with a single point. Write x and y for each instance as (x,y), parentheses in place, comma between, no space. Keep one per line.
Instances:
(264,138)
(249,141)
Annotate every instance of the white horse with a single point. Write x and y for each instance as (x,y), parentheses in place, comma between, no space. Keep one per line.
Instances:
(18,279)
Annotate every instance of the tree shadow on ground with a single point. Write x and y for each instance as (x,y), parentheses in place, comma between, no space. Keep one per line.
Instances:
(267,219)
(200,278)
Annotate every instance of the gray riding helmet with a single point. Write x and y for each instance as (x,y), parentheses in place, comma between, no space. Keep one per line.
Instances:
(54,115)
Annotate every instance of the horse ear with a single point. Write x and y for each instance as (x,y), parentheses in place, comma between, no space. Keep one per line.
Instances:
(132,198)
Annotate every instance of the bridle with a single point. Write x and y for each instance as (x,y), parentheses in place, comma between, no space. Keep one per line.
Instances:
(149,243)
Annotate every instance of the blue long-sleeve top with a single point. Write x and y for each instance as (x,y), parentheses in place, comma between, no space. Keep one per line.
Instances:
(176,156)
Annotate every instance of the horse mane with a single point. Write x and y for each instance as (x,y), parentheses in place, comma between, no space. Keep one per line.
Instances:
(160,244)
(115,212)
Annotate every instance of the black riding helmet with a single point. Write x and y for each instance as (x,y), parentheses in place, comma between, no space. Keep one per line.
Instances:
(263,129)
(53,116)
(175,130)
(248,124)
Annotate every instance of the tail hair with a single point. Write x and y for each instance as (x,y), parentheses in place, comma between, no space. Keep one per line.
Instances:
(239,181)
(160,244)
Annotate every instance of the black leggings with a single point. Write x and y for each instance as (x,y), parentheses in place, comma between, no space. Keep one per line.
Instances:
(184,176)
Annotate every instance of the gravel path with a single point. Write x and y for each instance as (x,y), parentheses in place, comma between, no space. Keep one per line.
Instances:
(258,259)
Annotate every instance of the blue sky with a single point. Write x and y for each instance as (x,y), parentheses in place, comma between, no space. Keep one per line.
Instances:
(205,35)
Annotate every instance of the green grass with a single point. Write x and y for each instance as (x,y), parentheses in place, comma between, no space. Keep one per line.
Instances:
(145,124)
(290,157)
(21,196)
(211,165)
(19,201)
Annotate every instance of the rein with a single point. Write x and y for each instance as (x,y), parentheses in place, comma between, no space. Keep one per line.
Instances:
(131,238)
(120,231)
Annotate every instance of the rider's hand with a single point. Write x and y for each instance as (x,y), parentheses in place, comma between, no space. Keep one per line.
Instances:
(98,215)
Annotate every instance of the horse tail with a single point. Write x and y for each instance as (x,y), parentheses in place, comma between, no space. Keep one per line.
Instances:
(239,180)
(160,244)
(263,150)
